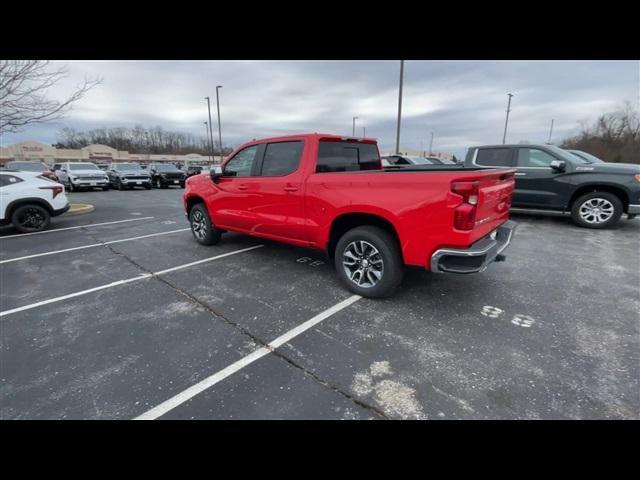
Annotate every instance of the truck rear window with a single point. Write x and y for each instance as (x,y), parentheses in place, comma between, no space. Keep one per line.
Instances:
(347,157)
(494,157)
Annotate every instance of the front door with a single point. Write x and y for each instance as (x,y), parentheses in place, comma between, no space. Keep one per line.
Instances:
(537,184)
(231,205)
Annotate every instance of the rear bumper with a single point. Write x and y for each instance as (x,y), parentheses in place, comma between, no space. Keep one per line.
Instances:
(478,256)
(60,211)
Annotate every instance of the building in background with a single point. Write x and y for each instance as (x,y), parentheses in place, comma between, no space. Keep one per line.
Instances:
(48,154)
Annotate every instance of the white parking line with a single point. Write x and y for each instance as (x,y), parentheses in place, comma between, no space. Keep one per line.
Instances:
(79,226)
(208,382)
(120,282)
(91,246)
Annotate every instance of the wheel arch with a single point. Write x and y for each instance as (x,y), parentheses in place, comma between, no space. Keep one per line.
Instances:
(619,192)
(347,221)
(192,201)
(27,201)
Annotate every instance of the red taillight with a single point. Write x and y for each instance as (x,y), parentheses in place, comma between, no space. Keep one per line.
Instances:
(55,188)
(464,217)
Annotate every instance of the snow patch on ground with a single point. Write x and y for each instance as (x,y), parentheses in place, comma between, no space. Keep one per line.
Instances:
(393,396)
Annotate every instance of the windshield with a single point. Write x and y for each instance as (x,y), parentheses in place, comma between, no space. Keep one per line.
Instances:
(26,166)
(586,156)
(166,168)
(443,161)
(82,166)
(128,167)
(420,160)
(565,155)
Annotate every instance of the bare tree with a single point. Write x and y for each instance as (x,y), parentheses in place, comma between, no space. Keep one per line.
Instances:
(23,93)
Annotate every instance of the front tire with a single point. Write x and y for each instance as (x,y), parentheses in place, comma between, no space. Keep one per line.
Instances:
(30,218)
(202,228)
(71,187)
(596,210)
(368,262)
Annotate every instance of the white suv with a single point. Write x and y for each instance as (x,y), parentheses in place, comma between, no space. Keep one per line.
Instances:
(76,175)
(28,200)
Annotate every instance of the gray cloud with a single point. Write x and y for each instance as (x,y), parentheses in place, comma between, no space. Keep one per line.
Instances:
(463,102)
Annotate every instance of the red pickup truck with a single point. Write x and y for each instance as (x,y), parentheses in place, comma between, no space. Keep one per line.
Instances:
(331,193)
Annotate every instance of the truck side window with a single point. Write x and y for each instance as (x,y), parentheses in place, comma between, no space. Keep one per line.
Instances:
(347,157)
(494,157)
(532,157)
(242,164)
(281,158)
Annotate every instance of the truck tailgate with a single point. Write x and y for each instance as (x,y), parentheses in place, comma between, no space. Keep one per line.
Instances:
(494,199)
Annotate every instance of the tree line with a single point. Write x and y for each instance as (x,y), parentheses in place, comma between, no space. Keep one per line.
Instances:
(613,137)
(139,140)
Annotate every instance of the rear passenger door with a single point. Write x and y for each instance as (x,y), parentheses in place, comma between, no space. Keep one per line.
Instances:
(277,192)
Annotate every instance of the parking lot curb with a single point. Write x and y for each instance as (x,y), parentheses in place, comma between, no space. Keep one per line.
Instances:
(80,208)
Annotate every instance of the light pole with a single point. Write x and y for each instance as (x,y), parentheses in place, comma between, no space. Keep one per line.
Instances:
(399,106)
(431,145)
(210,131)
(364,132)
(206,127)
(353,132)
(550,132)
(506,122)
(218,87)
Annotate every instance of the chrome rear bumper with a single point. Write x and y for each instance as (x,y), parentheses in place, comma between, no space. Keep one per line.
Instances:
(478,256)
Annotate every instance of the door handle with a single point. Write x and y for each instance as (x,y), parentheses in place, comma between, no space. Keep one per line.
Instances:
(520,174)
(242,187)
(290,188)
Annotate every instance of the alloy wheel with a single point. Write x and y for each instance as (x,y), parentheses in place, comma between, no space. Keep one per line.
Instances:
(198,224)
(363,264)
(596,210)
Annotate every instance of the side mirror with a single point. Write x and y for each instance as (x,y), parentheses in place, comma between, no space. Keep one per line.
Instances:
(215,173)
(558,165)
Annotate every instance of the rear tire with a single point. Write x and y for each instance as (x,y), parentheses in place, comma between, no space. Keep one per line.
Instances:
(202,227)
(30,218)
(368,262)
(596,210)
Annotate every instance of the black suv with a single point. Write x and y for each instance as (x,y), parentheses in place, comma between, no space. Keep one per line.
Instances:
(127,176)
(194,170)
(550,178)
(164,175)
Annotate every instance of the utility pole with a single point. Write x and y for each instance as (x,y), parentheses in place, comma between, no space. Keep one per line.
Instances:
(353,131)
(206,127)
(210,131)
(399,107)
(550,132)
(431,145)
(506,122)
(364,132)
(219,126)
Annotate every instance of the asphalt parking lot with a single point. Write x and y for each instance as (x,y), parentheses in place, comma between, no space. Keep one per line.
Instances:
(135,329)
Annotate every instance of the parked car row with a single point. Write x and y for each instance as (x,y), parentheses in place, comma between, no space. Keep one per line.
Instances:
(123,176)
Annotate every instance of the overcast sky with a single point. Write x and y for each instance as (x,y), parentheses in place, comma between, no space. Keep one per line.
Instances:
(462,102)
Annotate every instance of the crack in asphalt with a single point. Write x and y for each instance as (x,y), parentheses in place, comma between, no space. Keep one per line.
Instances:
(256,339)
